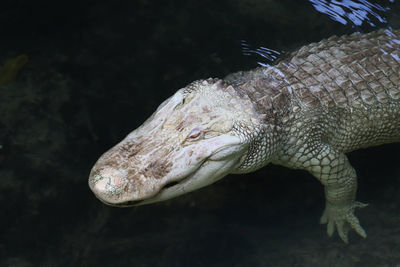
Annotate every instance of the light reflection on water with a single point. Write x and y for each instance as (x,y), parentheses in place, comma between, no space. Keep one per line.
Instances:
(268,55)
(352,11)
(393,41)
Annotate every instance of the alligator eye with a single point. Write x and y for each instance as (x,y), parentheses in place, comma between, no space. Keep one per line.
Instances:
(196,133)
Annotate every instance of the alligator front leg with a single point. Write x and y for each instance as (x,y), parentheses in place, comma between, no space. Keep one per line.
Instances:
(334,171)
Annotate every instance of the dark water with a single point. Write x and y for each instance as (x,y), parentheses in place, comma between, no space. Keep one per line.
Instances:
(98,69)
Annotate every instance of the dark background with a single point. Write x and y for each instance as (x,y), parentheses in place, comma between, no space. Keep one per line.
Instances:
(96,71)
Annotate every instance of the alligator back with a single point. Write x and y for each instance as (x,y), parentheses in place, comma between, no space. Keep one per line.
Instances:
(348,86)
(349,71)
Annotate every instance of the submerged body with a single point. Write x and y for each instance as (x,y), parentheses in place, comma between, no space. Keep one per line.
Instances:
(305,112)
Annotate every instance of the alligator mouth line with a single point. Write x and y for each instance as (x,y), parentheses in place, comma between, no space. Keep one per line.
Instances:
(168,185)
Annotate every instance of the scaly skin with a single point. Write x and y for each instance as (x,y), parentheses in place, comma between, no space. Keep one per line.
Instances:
(305,112)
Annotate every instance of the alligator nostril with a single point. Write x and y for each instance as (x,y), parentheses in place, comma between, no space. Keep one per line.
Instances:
(108,181)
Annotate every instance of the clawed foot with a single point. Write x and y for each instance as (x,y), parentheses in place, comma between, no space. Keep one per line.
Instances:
(340,218)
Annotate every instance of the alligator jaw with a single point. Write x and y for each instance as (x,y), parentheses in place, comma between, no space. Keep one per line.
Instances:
(147,200)
(166,190)
(194,167)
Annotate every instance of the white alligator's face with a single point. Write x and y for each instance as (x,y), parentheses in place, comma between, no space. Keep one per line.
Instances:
(188,143)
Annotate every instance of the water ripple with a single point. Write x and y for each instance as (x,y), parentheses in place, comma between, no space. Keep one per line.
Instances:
(352,11)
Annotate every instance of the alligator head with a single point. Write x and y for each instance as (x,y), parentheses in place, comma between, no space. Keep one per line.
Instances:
(194,138)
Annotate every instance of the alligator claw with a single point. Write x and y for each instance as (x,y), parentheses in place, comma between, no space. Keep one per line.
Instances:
(342,219)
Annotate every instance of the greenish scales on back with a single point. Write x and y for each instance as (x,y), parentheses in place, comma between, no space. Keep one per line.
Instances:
(305,112)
